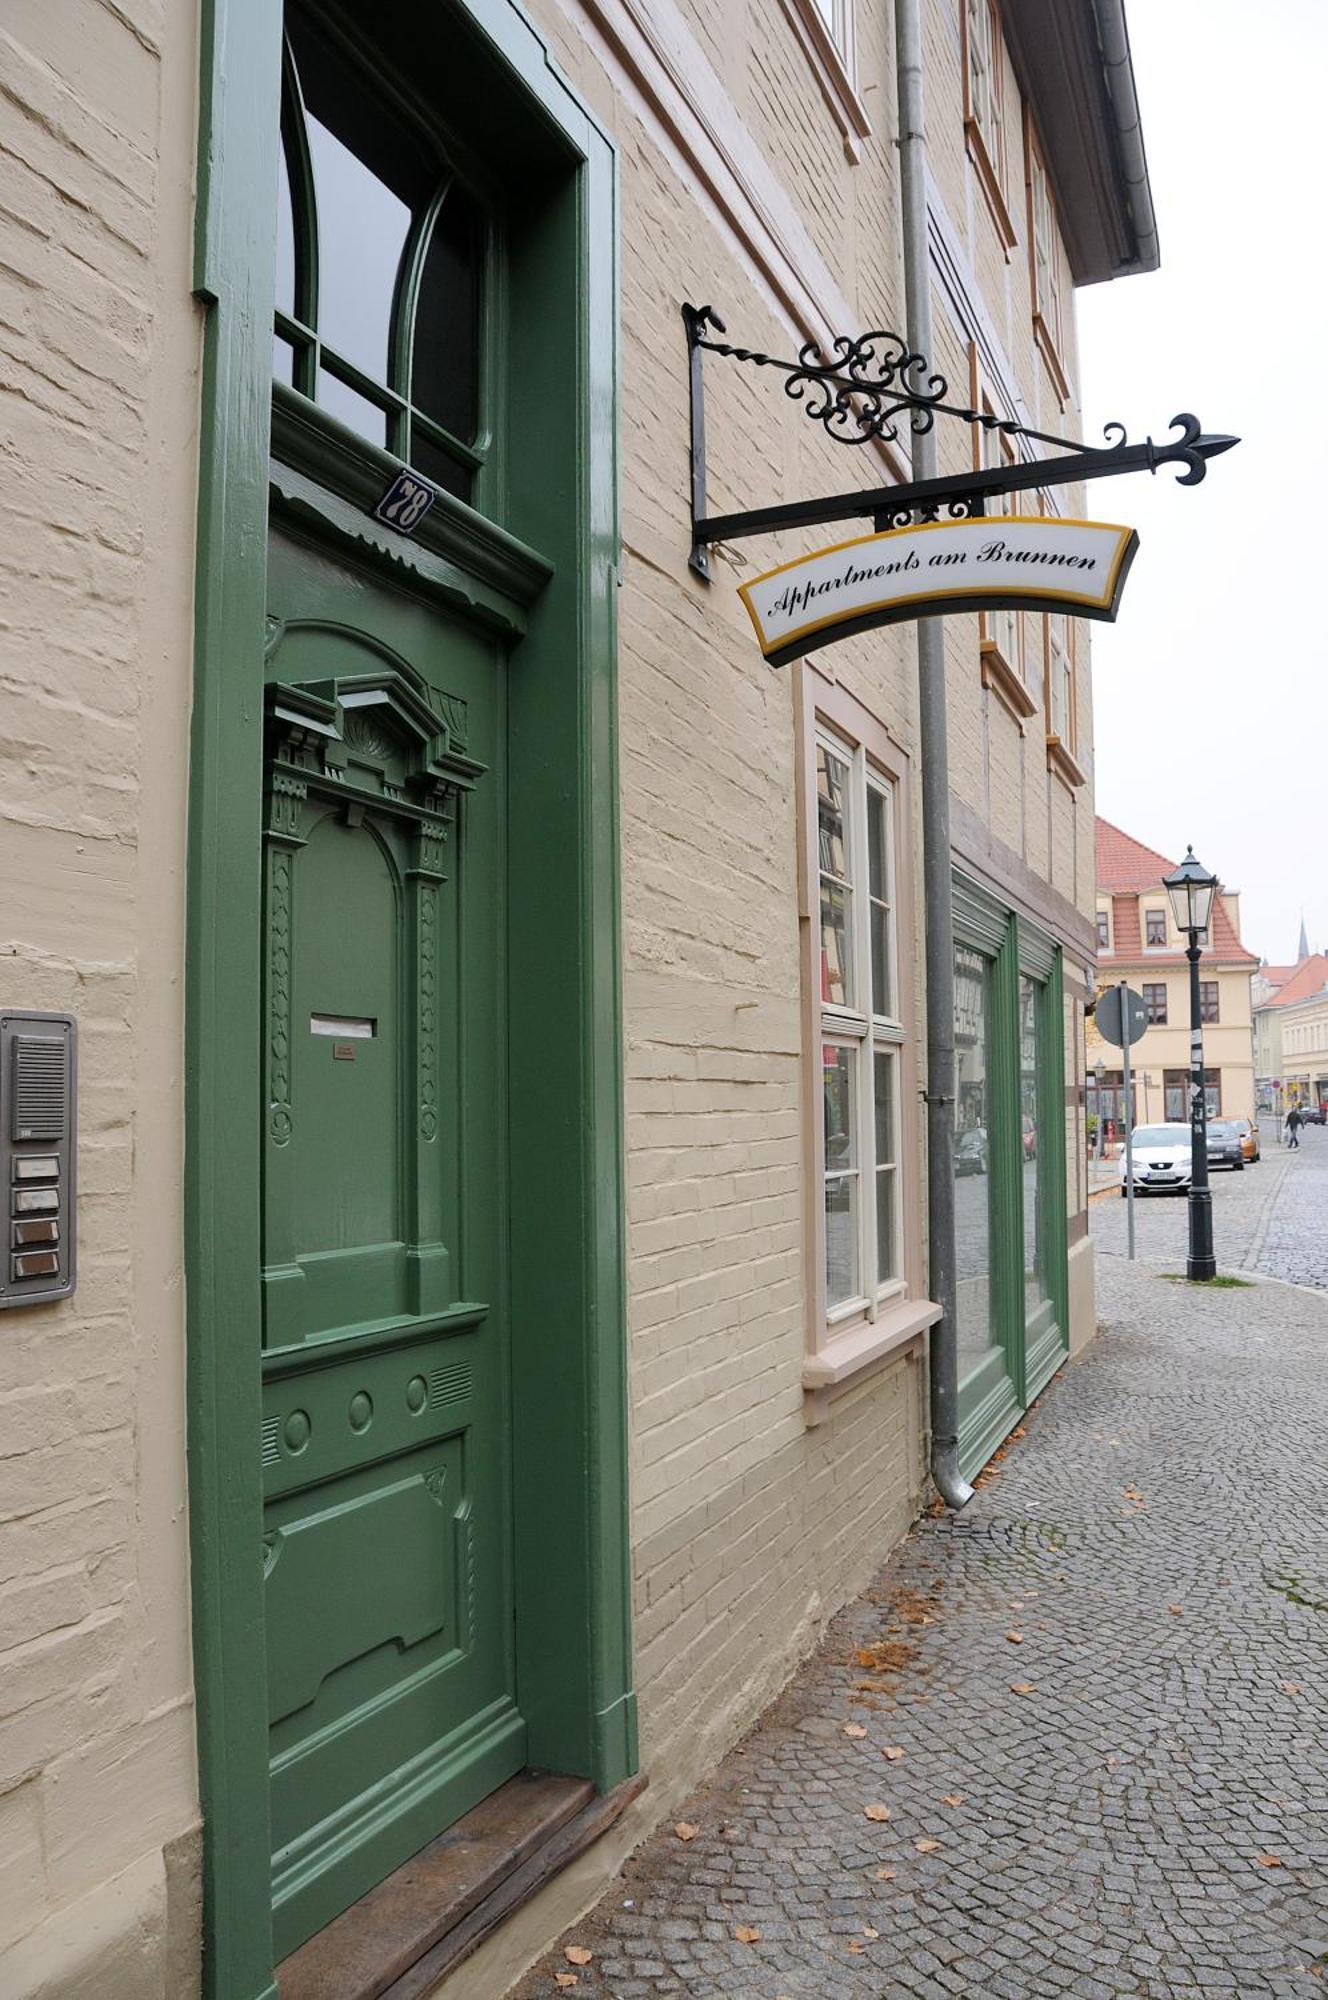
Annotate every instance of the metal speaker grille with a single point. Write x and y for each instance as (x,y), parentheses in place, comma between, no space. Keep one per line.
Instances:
(41,1087)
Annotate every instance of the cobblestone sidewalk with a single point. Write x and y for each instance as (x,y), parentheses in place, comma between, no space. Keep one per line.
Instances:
(1096,1714)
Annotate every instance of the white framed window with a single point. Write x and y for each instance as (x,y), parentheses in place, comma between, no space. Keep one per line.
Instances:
(826,31)
(861,1031)
(837,17)
(984,108)
(1046,263)
(1001,629)
(984,87)
(1060,678)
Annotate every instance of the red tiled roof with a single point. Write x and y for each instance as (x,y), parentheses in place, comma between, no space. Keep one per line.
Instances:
(1125,863)
(1276,975)
(1125,870)
(1309,978)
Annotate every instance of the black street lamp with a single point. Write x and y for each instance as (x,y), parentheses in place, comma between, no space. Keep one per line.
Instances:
(1191,890)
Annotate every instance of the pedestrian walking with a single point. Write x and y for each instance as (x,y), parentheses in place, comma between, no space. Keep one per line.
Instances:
(1293,1124)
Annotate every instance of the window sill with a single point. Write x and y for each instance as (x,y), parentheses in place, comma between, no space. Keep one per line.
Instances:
(1047,346)
(1061,760)
(832,73)
(990,184)
(1005,684)
(865,1348)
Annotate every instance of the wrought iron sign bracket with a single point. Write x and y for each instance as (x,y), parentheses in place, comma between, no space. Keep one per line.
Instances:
(871,388)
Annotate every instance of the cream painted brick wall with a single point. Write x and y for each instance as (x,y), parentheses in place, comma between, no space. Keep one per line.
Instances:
(748,1528)
(97,433)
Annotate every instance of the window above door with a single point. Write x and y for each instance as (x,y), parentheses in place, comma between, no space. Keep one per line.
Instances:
(384,265)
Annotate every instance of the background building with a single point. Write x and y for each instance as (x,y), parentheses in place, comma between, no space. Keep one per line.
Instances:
(1291,1033)
(1138,942)
(501,1333)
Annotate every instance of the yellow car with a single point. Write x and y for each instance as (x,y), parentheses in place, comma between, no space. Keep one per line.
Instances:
(1249,1137)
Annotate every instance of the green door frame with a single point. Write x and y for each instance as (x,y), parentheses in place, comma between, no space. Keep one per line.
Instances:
(1001,1393)
(565,1041)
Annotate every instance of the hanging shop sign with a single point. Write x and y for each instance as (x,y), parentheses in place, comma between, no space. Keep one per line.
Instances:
(936,548)
(993,563)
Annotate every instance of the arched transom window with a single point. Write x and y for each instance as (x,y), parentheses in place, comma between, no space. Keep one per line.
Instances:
(382,254)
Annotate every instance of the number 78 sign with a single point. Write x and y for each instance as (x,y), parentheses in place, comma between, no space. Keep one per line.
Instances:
(406,502)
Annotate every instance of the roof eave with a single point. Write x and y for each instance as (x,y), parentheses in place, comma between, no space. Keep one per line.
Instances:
(1072,59)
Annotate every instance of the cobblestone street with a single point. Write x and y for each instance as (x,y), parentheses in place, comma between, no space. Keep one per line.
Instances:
(1272,1218)
(1075,1743)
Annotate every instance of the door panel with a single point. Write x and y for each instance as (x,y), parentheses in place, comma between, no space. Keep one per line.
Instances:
(385,1397)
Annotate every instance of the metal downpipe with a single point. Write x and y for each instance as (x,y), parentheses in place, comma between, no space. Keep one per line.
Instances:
(943,1371)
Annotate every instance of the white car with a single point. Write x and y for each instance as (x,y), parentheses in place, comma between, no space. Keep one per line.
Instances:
(1161,1158)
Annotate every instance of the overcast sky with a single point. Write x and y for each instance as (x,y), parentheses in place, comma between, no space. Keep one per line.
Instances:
(1210,703)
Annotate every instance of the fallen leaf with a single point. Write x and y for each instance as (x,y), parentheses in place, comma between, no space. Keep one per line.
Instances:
(885,1875)
(876,1812)
(953,1799)
(1112,1762)
(1176,1610)
(926,1846)
(855,1945)
(1015,1638)
(576,1954)
(1291,1687)
(1269,1860)
(746,1935)
(686,1831)
(868,1932)
(1022,1687)
(887,1656)
(855,1729)
(565,1981)
(893,1751)
(1016,1604)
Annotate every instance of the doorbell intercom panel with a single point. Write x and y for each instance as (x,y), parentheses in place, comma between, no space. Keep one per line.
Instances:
(38,1079)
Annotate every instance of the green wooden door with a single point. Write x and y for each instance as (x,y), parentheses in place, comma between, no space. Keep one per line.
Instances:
(386,1424)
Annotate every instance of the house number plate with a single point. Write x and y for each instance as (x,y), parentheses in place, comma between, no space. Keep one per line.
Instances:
(405,503)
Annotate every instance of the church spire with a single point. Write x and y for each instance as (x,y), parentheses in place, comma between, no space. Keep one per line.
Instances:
(1303,949)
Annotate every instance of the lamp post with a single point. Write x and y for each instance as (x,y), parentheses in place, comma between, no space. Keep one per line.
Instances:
(1191,890)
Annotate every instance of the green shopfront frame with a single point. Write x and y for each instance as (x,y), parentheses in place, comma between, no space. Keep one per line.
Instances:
(563,1026)
(1013,1281)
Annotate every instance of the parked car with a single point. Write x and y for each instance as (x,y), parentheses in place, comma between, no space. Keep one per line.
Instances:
(1161,1156)
(970,1152)
(1249,1138)
(1225,1145)
(1314,1114)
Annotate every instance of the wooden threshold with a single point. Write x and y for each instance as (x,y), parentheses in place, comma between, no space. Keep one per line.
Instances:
(400,1939)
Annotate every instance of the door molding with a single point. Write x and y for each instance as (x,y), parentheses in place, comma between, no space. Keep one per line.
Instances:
(565,1048)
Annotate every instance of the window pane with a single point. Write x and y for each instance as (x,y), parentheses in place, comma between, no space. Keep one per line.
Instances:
(975,1316)
(1032,1043)
(285,239)
(885,1108)
(878,870)
(831,800)
(882,970)
(283,359)
(439,466)
(445,380)
(841,1240)
(351,407)
(362,227)
(887,1244)
(836,946)
(878,860)
(838,1068)
(839,1072)
(832,776)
